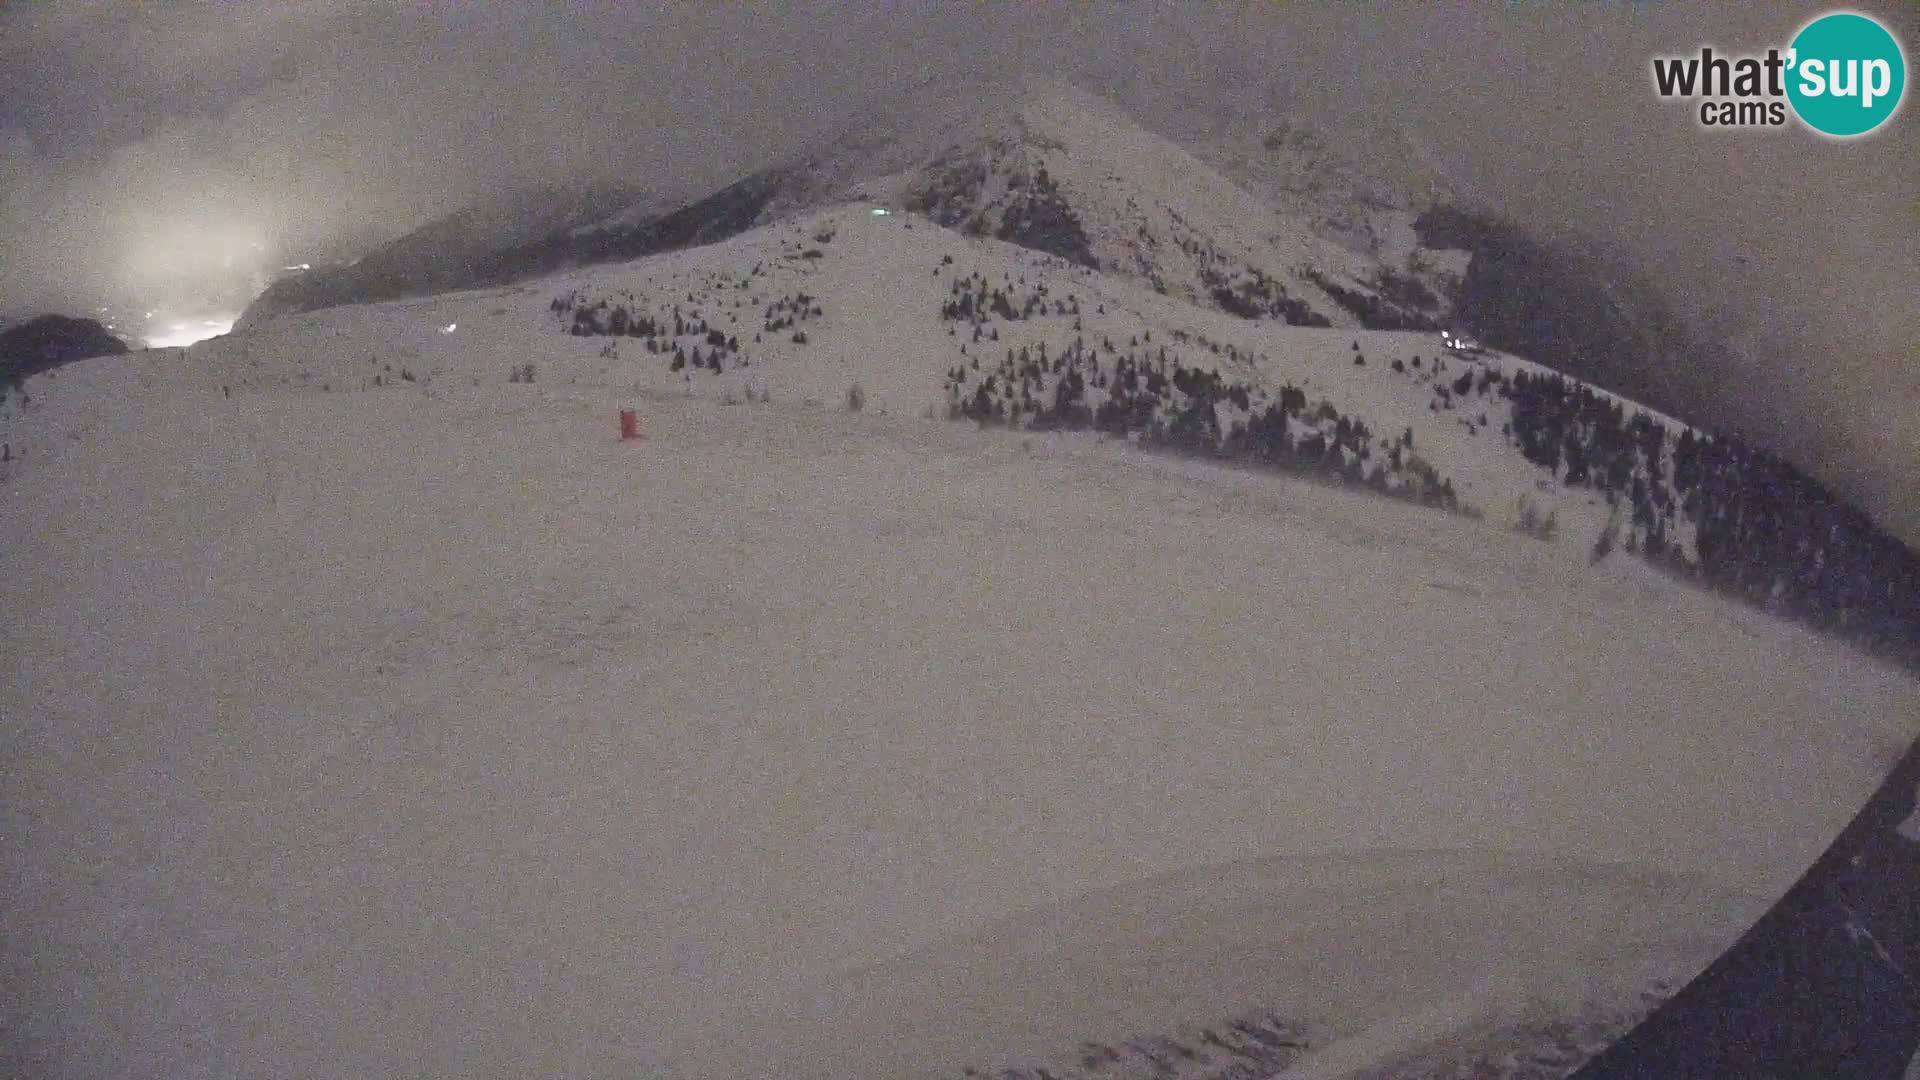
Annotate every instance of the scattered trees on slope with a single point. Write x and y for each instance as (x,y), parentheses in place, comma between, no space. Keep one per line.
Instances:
(1763,531)
(1164,403)
(684,336)
(1377,311)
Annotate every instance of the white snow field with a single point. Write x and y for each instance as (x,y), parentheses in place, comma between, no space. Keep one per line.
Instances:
(427,729)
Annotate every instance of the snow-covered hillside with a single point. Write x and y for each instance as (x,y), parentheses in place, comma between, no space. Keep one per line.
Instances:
(1036,341)
(1061,171)
(1298,233)
(926,321)
(371,708)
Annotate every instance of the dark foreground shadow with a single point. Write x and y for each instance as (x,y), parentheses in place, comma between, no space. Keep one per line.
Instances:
(1823,985)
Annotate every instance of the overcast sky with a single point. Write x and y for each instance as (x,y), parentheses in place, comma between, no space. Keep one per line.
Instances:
(142,144)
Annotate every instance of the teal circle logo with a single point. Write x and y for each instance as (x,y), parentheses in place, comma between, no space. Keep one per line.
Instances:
(1846,75)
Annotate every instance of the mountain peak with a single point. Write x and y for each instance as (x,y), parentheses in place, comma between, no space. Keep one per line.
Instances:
(1259,218)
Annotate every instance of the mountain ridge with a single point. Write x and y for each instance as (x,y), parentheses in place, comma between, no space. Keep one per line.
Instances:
(45,342)
(1260,215)
(918,317)
(936,155)
(1092,197)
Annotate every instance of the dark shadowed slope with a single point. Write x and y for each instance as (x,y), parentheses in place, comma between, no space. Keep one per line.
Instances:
(49,341)
(1823,985)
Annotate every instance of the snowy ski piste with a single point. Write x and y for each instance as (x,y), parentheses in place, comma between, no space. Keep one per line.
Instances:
(360,723)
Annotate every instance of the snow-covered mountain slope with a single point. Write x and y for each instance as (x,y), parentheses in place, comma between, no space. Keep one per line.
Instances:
(926,321)
(1036,341)
(1060,171)
(1023,338)
(1362,188)
(1049,167)
(1249,210)
(374,709)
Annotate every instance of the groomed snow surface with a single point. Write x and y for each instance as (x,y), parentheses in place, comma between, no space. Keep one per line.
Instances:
(428,729)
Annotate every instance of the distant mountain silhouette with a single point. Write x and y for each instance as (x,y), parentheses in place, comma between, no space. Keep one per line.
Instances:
(1570,305)
(533,233)
(49,341)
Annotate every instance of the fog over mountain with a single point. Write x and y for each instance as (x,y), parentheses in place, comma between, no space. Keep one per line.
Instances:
(184,152)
